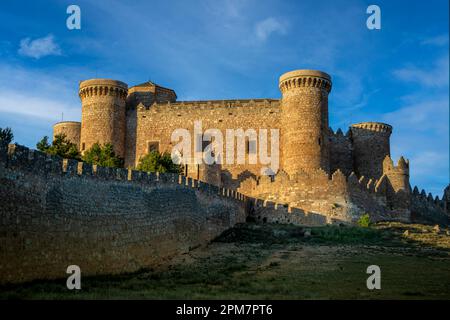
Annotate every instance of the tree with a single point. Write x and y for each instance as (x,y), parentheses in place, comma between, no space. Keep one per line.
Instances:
(6,137)
(103,156)
(157,162)
(60,146)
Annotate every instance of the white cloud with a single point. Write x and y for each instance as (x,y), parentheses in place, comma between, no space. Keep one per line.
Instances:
(266,27)
(38,95)
(436,76)
(39,47)
(421,134)
(430,115)
(44,108)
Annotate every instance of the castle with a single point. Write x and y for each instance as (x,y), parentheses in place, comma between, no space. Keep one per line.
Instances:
(58,212)
(333,175)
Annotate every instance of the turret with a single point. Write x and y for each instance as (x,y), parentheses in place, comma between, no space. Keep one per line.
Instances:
(370,147)
(397,175)
(398,190)
(304,120)
(103,113)
(71,129)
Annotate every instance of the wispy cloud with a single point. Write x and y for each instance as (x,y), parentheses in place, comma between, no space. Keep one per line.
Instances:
(428,115)
(439,41)
(421,134)
(31,101)
(44,108)
(266,27)
(39,47)
(436,76)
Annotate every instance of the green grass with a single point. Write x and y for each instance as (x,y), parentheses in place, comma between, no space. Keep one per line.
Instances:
(277,262)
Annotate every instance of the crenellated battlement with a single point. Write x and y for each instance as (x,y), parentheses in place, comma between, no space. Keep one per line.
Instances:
(426,209)
(20,158)
(402,166)
(423,196)
(339,133)
(103,87)
(364,127)
(209,105)
(305,78)
(336,196)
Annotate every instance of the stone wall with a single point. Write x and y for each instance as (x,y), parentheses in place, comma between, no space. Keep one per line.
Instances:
(341,152)
(55,213)
(370,146)
(426,209)
(329,199)
(156,123)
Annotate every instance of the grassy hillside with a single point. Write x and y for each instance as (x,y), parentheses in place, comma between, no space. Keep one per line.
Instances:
(273,261)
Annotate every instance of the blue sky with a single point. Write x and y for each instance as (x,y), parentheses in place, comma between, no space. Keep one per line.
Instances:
(237,49)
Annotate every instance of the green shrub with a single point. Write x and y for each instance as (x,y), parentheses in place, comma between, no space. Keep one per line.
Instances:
(364,221)
(103,155)
(157,162)
(60,146)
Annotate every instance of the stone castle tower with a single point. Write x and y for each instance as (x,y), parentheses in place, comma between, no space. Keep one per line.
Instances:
(304,120)
(370,147)
(103,113)
(318,167)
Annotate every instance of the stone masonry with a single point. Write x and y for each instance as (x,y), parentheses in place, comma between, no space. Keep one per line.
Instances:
(142,118)
(56,212)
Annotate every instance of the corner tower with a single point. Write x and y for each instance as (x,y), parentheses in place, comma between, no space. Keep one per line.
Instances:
(304,120)
(71,129)
(103,113)
(370,148)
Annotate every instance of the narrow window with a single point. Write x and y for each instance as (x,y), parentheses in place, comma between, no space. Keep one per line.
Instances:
(83,146)
(153,146)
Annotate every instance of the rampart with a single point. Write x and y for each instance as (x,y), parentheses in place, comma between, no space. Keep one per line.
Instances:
(426,209)
(56,212)
(315,198)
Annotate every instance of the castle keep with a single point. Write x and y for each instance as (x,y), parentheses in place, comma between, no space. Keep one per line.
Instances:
(335,175)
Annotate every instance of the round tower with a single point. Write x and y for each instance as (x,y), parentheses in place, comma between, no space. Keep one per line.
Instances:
(370,147)
(304,120)
(72,130)
(103,113)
